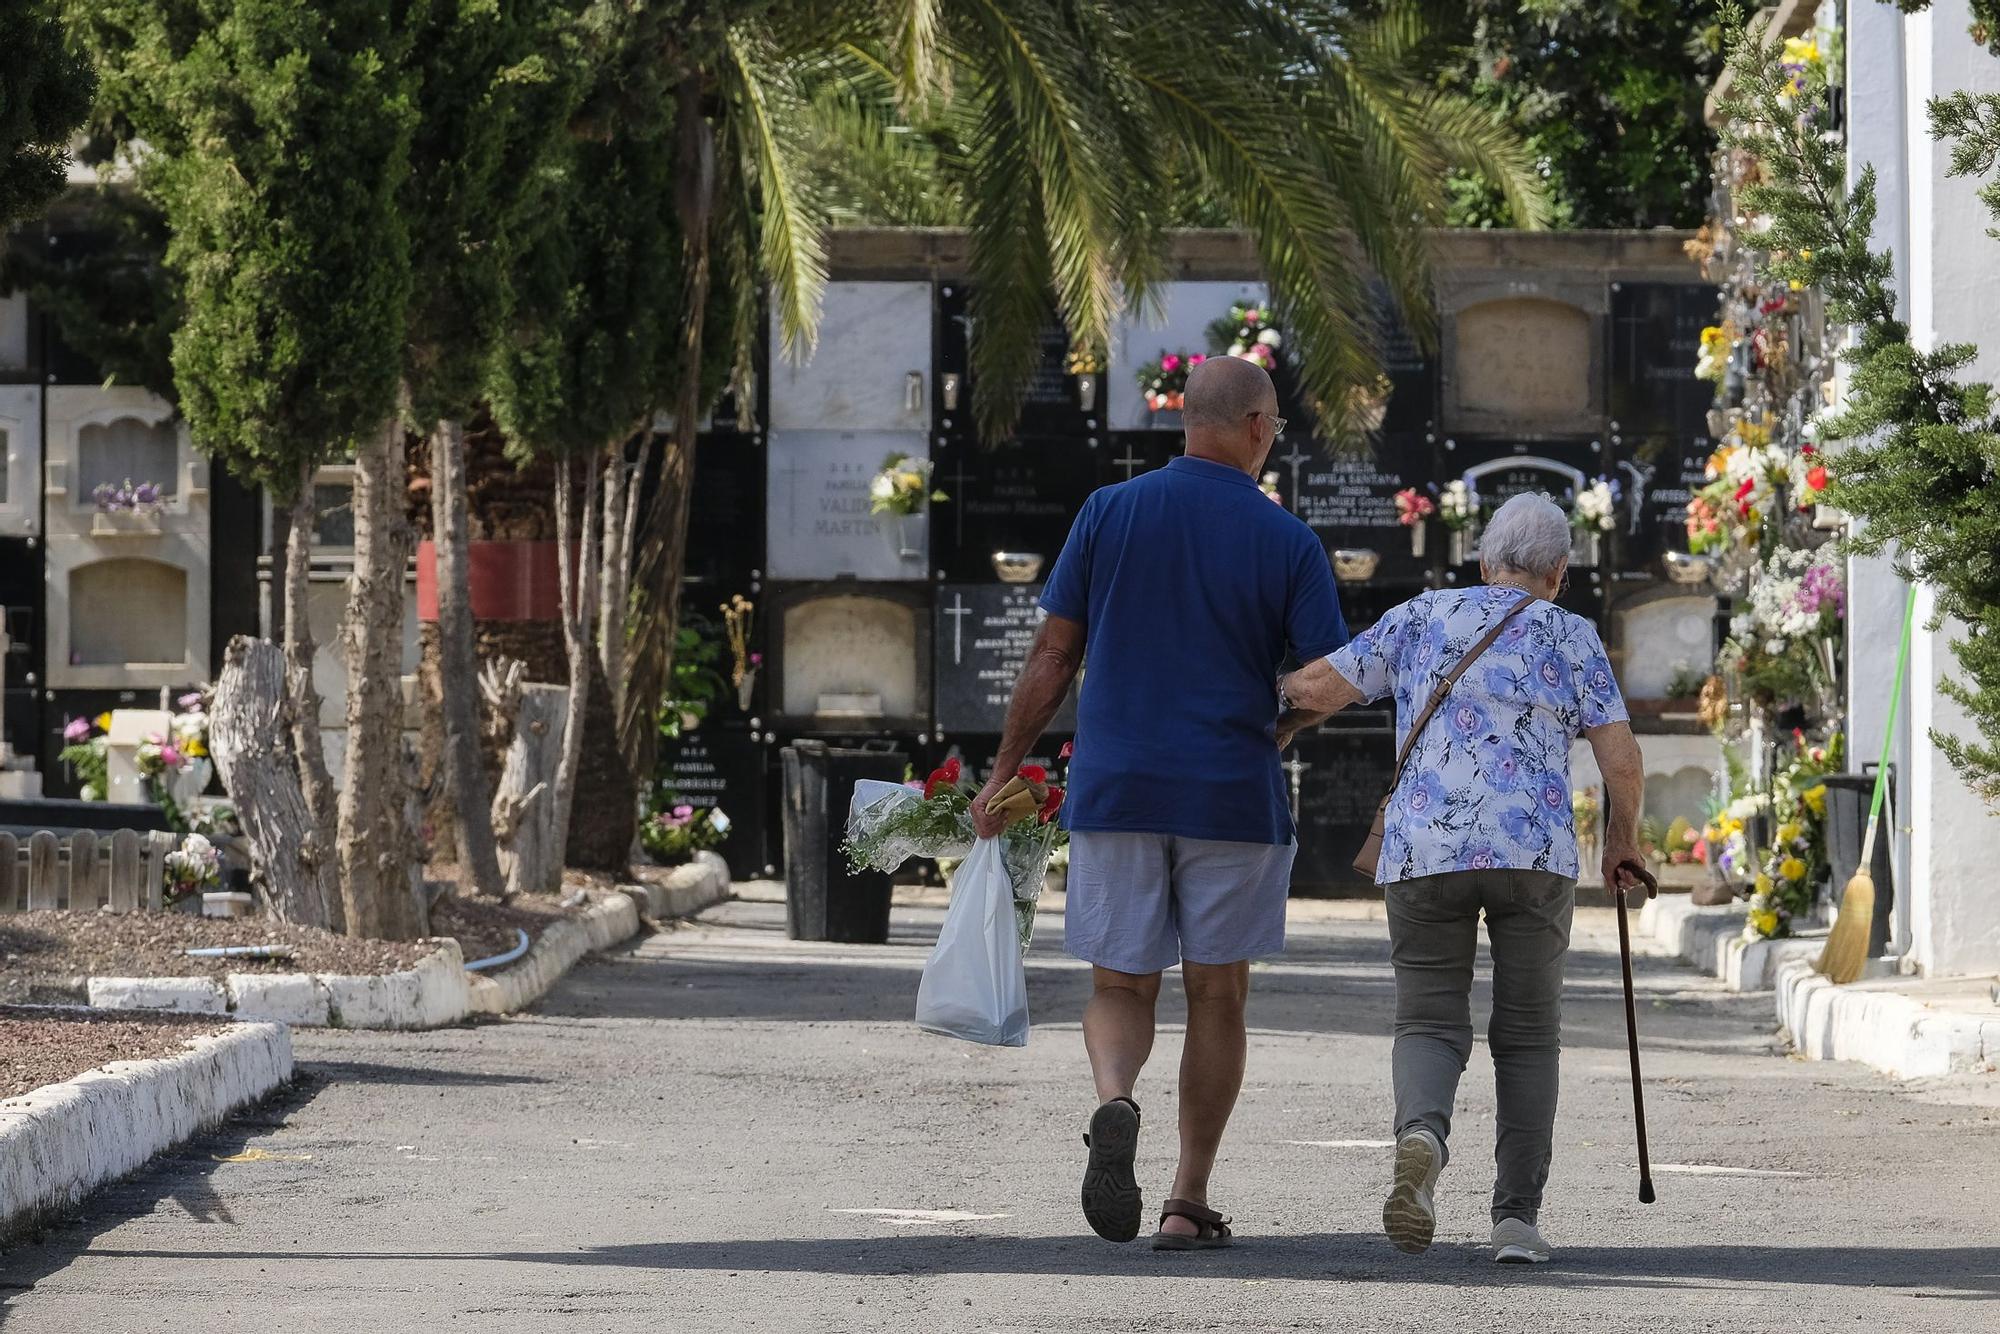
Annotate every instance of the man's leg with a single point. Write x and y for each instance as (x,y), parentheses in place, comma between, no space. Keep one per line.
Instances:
(1211,1074)
(1118,1029)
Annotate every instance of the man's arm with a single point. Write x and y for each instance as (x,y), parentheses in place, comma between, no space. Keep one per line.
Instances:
(1315,693)
(1046,678)
(1624,770)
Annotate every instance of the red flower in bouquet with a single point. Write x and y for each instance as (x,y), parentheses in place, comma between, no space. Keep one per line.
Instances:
(1034,773)
(1052,805)
(945,776)
(1069,749)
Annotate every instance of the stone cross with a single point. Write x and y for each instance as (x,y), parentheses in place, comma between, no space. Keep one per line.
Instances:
(958,611)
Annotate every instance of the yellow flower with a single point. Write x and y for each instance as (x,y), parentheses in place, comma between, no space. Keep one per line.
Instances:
(1714,336)
(909,481)
(1792,869)
(1801,51)
(1765,921)
(1815,798)
(1805,253)
(194,748)
(1797,286)
(1764,885)
(103,721)
(1787,832)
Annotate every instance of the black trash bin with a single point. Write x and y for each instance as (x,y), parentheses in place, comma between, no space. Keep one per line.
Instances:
(1847,798)
(824,899)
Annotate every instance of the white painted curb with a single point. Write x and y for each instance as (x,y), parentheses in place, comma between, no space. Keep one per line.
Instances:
(1710,940)
(59,1143)
(429,994)
(1870,1022)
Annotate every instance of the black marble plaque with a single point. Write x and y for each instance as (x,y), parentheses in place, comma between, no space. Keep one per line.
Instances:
(984,632)
(1337,776)
(1020,496)
(726,512)
(1054,403)
(714,766)
(1349,499)
(1655,340)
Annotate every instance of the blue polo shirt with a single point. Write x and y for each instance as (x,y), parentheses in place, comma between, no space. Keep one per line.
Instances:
(1191,585)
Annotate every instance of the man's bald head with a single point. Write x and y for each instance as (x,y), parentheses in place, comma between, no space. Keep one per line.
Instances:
(1217,411)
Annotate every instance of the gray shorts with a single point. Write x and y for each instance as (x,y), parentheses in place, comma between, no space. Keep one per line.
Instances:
(1140,903)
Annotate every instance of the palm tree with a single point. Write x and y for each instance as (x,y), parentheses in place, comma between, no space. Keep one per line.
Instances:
(1067,136)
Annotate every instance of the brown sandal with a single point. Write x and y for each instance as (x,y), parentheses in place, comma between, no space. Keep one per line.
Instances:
(1211,1228)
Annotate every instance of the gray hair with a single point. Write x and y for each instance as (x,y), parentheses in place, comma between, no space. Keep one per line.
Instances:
(1529,534)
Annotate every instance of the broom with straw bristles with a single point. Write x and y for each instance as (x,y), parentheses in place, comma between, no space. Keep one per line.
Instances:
(1846,952)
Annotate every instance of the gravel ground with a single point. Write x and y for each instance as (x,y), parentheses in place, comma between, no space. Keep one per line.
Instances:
(39,1046)
(104,944)
(719,1129)
(485,927)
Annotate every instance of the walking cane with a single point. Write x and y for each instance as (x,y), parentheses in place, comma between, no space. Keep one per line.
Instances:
(1645,877)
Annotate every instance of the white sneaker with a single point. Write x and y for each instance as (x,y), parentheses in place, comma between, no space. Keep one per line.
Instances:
(1409,1216)
(1516,1242)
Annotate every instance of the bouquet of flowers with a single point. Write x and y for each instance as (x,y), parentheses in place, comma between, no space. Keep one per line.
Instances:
(1246,332)
(1781,644)
(673,835)
(195,867)
(1269,486)
(1796,862)
(1163,383)
(889,824)
(1713,362)
(1085,361)
(85,750)
(1596,507)
(127,498)
(1458,504)
(1413,507)
(902,486)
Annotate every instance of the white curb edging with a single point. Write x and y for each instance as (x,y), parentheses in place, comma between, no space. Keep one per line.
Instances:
(1869,1022)
(1710,940)
(59,1143)
(429,994)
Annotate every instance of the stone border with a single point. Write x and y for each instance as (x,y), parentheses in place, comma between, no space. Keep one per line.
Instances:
(60,1142)
(1870,1022)
(687,890)
(1710,940)
(437,990)
(430,994)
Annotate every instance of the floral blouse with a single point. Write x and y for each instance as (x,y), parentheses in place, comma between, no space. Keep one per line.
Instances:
(1488,782)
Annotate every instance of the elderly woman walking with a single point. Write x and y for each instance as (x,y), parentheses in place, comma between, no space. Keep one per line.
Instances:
(1480,822)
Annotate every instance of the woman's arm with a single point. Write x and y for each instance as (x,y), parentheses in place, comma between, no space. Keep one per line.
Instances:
(1312,694)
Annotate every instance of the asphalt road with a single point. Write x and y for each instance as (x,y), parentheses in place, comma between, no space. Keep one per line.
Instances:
(718,1129)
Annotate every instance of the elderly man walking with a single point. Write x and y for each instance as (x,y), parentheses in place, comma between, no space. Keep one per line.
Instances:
(1491,684)
(1185,588)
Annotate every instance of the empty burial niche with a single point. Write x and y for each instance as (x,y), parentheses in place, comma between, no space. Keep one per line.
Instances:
(850,657)
(1525,359)
(127,613)
(126,450)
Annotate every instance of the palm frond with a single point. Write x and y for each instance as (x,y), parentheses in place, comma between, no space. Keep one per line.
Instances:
(768,133)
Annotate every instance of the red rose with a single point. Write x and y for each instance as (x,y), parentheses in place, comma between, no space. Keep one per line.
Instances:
(945,777)
(1749,485)
(950,769)
(1816,477)
(1052,805)
(1034,773)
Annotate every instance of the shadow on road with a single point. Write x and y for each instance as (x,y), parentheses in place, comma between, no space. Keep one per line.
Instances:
(1953,1272)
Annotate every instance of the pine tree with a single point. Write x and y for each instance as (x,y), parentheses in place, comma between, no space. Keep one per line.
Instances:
(1923,466)
(45,92)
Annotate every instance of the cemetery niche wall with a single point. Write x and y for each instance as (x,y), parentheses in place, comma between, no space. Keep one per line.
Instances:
(1562,360)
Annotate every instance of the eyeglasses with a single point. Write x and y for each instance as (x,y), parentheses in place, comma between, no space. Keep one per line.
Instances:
(1277,423)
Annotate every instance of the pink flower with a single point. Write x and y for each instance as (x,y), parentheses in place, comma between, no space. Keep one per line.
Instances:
(190,701)
(76,730)
(1170,362)
(1197,358)
(756,660)
(683,812)
(1251,316)
(170,756)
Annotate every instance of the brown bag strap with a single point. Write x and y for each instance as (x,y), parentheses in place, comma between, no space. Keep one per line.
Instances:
(1451,679)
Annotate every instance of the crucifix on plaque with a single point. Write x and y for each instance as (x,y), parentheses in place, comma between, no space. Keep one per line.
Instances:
(958,611)
(797,470)
(1297,459)
(1633,324)
(1131,463)
(1295,769)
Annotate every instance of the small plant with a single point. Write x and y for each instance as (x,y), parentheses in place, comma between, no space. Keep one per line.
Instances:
(128,497)
(1085,361)
(85,750)
(195,867)
(678,831)
(902,487)
(696,684)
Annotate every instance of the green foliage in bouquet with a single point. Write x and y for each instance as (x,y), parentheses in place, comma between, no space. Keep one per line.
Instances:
(675,831)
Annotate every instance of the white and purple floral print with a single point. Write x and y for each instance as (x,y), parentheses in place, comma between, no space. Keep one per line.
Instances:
(1487,785)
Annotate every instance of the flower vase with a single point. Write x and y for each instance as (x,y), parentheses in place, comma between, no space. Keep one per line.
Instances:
(905,533)
(1086,392)
(1586,548)
(1417,531)
(745,685)
(1463,546)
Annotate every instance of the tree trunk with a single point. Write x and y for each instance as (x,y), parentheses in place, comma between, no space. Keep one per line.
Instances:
(308,749)
(621,506)
(251,743)
(663,549)
(523,804)
(458,660)
(579,598)
(373,849)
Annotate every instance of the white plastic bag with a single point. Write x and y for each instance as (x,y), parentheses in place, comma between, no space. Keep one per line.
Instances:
(974,986)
